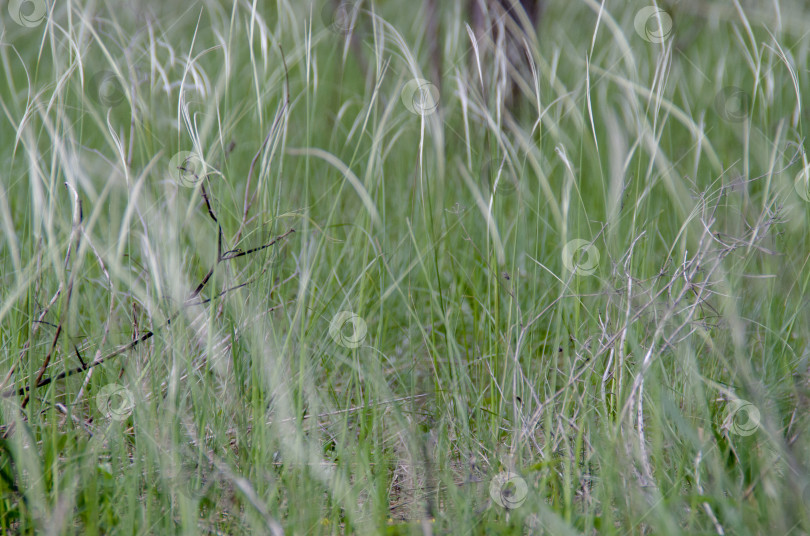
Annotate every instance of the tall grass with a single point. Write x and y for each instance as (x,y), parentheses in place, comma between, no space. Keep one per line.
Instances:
(271,268)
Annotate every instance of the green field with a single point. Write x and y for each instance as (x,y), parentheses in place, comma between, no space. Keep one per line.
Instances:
(269,269)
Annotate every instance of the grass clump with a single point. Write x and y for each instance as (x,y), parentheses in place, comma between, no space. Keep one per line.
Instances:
(277,269)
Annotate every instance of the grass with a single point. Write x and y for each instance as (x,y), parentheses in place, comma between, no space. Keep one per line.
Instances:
(364,300)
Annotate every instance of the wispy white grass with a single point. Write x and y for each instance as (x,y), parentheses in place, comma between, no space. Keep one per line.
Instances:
(607,388)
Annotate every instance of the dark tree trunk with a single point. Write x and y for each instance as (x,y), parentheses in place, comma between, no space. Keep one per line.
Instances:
(506,23)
